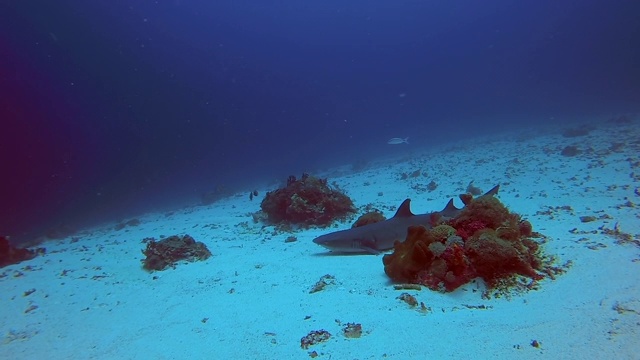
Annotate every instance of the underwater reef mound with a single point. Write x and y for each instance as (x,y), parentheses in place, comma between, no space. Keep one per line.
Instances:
(306,201)
(10,254)
(371,217)
(484,241)
(167,252)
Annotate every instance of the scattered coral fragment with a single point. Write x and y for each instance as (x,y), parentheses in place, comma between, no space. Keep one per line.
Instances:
(352,330)
(322,283)
(165,253)
(570,150)
(314,337)
(408,298)
(122,225)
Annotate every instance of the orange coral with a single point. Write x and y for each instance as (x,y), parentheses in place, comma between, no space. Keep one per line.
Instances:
(410,256)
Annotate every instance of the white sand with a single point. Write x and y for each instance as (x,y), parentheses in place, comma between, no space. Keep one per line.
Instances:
(94,300)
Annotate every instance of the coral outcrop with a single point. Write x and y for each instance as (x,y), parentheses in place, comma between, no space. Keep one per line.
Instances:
(167,252)
(306,201)
(485,240)
(10,254)
(369,218)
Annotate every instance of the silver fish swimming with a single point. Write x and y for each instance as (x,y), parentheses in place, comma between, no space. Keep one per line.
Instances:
(377,237)
(397,141)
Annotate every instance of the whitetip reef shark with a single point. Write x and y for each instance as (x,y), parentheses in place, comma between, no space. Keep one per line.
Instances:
(378,237)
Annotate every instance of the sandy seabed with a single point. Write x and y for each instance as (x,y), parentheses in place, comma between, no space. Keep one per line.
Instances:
(89,298)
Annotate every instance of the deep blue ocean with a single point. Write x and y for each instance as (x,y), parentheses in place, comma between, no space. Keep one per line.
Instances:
(113,108)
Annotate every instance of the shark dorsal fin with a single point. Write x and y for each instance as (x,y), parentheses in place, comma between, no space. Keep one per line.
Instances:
(404,210)
(493,191)
(450,210)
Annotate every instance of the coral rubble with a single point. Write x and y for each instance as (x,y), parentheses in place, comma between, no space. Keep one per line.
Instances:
(570,150)
(306,201)
(165,253)
(484,241)
(352,330)
(314,337)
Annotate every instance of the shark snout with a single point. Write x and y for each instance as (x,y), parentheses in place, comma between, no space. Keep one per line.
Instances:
(332,241)
(321,240)
(341,242)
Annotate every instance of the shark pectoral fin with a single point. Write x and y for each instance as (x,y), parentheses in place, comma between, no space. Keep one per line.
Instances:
(370,250)
(369,247)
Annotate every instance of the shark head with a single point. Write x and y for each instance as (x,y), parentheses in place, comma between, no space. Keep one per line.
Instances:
(348,241)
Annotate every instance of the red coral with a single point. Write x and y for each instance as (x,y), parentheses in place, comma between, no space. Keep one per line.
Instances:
(435,219)
(413,261)
(494,244)
(495,258)
(462,233)
(467,229)
(448,272)
(428,279)
(485,209)
(525,228)
(455,258)
(307,201)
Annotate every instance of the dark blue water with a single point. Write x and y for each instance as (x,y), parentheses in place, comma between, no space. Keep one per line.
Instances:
(114,108)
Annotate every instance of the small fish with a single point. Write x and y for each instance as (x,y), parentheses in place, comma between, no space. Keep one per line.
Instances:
(396,141)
